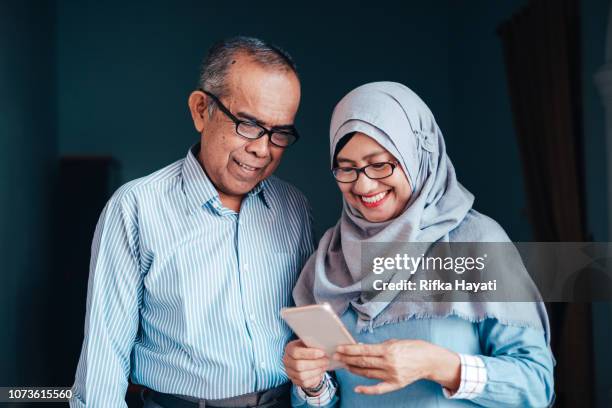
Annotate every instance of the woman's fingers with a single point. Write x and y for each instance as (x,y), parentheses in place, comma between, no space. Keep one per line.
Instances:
(369,372)
(360,361)
(375,350)
(301,358)
(304,375)
(297,351)
(306,365)
(380,388)
(308,379)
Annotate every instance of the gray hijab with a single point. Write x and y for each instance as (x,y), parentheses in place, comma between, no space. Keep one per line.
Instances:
(439,210)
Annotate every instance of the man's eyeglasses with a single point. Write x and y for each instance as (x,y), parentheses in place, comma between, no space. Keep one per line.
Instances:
(375,171)
(252,130)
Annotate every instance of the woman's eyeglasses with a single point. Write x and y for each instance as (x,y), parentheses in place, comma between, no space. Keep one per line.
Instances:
(252,130)
(374,171)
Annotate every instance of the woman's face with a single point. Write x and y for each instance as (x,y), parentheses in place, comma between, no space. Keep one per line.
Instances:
(377,200)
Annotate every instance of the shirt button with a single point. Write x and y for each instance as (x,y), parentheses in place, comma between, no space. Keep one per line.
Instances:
(245,267)
(252,316)
(262,364)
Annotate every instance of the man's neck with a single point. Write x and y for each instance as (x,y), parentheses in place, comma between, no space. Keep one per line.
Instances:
(230,201)
(233,202)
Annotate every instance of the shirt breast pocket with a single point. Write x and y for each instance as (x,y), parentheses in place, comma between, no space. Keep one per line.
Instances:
(278,274)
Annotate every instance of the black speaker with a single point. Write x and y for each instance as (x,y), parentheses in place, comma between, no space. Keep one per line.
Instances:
(85,183)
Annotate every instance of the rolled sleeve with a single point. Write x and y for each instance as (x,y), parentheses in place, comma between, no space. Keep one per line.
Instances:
(473,378)
(326,399)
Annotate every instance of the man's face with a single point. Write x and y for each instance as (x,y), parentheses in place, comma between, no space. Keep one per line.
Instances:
(268,95)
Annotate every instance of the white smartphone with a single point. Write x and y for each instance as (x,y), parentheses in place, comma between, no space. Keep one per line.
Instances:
(318,326)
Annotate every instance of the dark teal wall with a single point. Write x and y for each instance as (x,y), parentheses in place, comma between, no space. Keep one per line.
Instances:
(483,144)
(134,66)
(28,148)
(594,23)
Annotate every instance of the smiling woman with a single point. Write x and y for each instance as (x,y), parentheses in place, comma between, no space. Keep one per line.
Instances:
(367,176)
(399,186)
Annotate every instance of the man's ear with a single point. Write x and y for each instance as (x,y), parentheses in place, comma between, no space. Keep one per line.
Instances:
(198,102)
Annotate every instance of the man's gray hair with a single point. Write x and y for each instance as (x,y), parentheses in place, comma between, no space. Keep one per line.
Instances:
(220,56)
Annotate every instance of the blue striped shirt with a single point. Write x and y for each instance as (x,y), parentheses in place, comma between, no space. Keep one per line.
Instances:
(184,294)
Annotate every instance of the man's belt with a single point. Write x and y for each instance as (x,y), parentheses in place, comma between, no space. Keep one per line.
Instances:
(279,397)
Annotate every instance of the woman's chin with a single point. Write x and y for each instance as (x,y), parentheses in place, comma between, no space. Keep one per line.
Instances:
(381,214)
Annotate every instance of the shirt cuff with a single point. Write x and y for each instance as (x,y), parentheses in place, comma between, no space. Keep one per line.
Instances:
(473,378)
(327,394)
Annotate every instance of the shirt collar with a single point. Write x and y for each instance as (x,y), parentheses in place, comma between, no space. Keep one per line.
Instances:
(200,190)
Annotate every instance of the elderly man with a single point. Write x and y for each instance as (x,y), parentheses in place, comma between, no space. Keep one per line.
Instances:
(191,264)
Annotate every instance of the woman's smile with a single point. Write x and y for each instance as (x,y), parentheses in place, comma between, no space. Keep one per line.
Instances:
(374,200)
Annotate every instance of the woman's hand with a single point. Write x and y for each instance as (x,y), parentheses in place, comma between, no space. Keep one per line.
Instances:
(305,366)
(398,363)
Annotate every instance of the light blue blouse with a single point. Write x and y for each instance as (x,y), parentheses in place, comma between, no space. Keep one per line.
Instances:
(518,361)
